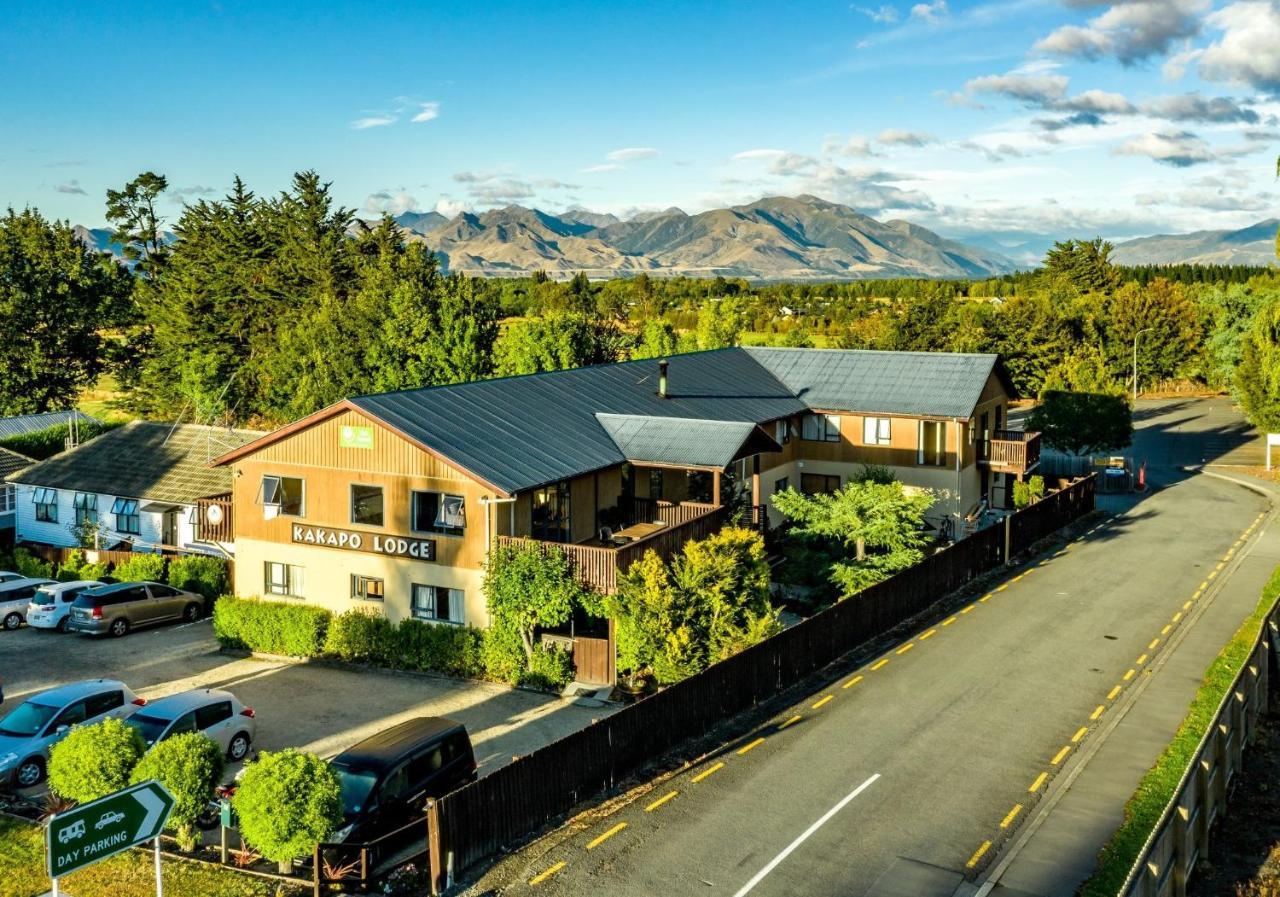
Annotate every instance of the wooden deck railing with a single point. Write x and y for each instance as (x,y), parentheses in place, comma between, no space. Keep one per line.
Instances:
(1011,451)
(206,529)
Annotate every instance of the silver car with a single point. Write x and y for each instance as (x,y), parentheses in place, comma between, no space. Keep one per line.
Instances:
(15,598)
(30,729)
(122,606)
(217,714)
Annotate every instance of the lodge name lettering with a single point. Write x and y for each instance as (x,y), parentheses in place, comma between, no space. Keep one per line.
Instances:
(374,543)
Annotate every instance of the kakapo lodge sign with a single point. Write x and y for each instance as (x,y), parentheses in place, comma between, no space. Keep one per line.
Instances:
(373,543)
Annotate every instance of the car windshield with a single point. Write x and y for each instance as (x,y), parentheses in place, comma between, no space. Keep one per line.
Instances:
(149,727)
(27,719)
(42,596)
(356,785)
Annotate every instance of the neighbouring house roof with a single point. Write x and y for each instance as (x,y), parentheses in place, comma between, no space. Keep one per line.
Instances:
(686,443)
(12,462)
(518,433)
(31,423)
(153,461)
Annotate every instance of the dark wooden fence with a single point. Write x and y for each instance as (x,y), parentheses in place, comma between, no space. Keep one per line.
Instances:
(502,809)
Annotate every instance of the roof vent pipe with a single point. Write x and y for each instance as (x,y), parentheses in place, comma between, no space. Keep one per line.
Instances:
(662,378)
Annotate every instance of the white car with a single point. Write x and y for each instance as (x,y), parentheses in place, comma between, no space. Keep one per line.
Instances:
(15,598)
(107,819)
(50,606)
(217,714)
(9,576)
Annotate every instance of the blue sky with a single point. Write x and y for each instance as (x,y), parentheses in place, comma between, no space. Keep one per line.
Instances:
(1046,116)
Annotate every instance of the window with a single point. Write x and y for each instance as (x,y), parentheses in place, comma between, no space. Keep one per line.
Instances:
(875,431)
(99,704)
(212,714)
(782,432)
(8,499)
(282,579)
(184,723)
(933,443)
(127,518)
(437,603)
(550,511)
(815,483)
(86,505)
(366,505)
(71,716)
(424,766)
(820,428)
(366,588)
(283,495)
(655,484)
(781,485)
(436,512)
(46,502)
(159,590)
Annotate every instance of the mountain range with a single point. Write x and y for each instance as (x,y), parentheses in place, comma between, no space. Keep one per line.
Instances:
(1252,245)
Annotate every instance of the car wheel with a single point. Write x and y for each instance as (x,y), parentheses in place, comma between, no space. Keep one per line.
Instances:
(239,747)
(119,627)
(13,621)
(63,624)
(191,613)
(30,772)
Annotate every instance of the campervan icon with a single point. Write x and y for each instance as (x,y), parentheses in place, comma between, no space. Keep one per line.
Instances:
(71,832)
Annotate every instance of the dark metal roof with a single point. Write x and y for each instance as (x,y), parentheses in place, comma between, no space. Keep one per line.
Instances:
(12,462)
(32,423)
(391,744)
(145,460)
(688,443)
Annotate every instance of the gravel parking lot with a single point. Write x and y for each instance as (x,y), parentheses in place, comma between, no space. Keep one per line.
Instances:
(318,708)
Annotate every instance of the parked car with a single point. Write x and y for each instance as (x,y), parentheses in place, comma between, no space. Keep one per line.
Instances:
(122,606)
(50,606)
(10,576)
(387,778)
(28,731)
(15,598)
(217,714)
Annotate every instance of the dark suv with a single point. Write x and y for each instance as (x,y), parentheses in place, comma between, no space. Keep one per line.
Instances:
(387,778)
(122,606)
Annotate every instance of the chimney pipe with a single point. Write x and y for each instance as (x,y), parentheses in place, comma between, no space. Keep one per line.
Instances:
(662,378)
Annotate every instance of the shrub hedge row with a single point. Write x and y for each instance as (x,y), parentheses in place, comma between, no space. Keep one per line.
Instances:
(204,574)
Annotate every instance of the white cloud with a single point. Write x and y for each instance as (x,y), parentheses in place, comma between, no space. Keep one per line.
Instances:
(632,153)
(373,121)
(1179,149)
(72,188)
(1034,89)
(390,202)
(1194,107)
(885,15)
(1248,52)
(855,146)
(427,112)
(597,169)
(1130,30)
(930,13)
(758,154)
(896,137)
(1099,101)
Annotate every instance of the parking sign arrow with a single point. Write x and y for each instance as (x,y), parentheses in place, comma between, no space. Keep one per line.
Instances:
(157,810)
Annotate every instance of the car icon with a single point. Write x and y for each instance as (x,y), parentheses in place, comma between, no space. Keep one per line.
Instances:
(71,832)
(108,818)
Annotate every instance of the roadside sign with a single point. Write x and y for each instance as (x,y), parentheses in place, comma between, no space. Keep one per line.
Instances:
(94,831)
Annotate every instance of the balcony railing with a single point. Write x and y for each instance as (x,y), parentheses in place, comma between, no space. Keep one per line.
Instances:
(1010,451)
(213,519)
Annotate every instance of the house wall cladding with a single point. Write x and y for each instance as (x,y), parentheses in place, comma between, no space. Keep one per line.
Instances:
(28,529)
(501,810)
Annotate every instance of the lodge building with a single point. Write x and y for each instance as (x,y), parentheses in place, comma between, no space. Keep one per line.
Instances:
(393,501)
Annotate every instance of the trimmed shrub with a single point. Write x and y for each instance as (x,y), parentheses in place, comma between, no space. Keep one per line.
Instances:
(439,648)
(94,761)
(288,802)
(203,574)
(28,564)
(190,765)
(92,571)
(550,669)
(50,441)
(271,627)
(361,635)
(141,567)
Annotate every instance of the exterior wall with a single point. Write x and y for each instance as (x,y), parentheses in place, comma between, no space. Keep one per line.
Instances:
(28,529)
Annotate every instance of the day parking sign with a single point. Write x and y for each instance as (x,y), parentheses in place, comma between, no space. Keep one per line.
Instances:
(94,831)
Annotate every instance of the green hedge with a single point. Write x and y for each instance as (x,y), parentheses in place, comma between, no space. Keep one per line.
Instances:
(203,574)
(271,627)
(140,568)
(50,441)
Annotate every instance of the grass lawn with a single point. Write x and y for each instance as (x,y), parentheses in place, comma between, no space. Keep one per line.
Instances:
(129,874)
(98,400)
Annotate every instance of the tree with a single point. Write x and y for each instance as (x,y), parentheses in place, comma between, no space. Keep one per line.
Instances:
(554,342)
(94,761)
(1172,331)
(720,323)
(526,587)
(287,802)
(1032,337)
(1084,370)
(881,524)
(1084,266)
(56,297)
(138,227)
(657,340)
(190,766)
(1257,379)
(1082,422)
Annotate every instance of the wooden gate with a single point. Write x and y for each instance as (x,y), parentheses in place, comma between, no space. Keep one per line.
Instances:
(593,658)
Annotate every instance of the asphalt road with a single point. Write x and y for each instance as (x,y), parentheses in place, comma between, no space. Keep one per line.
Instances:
(892,785)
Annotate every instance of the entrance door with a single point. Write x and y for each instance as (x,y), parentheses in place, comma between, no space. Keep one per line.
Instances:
(169,527)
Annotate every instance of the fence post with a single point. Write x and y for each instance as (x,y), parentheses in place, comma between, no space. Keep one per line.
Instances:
(1008,539)
(435,848)
(317,881)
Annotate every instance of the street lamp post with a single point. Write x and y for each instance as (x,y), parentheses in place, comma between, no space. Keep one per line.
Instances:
(1135,361)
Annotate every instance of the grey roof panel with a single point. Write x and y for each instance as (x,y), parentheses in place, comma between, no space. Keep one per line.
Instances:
(674,440)
(12,462)
(32,423)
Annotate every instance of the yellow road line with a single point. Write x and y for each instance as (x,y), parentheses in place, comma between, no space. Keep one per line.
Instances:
(826,700)
(1177,616)
(987,597)
(930,634)
(1080,733)
(1128,675)
(1017,808)
(1044,563)
(670,795)
(977,854)
(1187,606)
(1029,571)
(1016,578)
(1142,658)
(1204,585)
(1003,587)
(1058,757)
(852,682)
(1152,646)
(967,609)
(1212,574)
(755,744)
(1221,564)
(706,772)
(547,873)
(794,719)
(905,648)
(1098,711)
(1040,780)
(592,845)
(1165,630)
(1111,695)
(948,621)
(878,664)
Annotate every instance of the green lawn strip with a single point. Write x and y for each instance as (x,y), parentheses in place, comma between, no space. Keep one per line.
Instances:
(130,874)
(1142,812)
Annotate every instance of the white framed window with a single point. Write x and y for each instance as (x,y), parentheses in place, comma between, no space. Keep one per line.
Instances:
(782,431)
(46,502)
(8,498)
(876,431)
(282,579)
(283,496)
(437,604)
(367,588)
(820,428)
(86,505)
(933,443)
(128,520)
(438,512)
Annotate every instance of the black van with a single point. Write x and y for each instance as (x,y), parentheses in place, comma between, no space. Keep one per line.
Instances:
(387,778)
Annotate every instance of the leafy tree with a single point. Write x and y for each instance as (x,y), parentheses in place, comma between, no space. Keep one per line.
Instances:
(1084,370)
(190,766)
(1172,336)
(554,342)
(55,299)
(94,761)
(1257,379)
(1028,492)
(881,524)
(287,802)
(1032,337)
(720,324)
(138,226)
(1082,423)
(526,587)
(657,340)
(1085,265)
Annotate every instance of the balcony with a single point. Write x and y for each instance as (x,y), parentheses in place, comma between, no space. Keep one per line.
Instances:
(1010,451)
(213,519)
